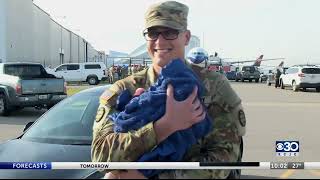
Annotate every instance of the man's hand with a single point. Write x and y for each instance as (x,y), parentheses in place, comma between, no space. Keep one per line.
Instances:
(179,115)
(182,115)
(129,174)
(111,175)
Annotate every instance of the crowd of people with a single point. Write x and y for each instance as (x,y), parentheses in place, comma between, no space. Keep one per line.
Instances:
(117,72)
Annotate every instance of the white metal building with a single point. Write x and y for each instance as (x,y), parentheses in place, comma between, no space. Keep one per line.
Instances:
(29,34)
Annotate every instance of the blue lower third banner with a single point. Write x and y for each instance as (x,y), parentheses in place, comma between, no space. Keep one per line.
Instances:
(25,165)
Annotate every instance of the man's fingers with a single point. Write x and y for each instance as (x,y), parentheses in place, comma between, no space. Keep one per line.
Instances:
(200,117)
(193,95)
(132,174)
(196,104)
(170,91)
(110,175)
(203,116)
(199,111)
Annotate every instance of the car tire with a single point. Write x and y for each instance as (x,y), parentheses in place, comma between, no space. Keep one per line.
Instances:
(18,108)
(295,87)
(318,89)
(49,106)
(257,80)
(92,80)
(237,80)
(4,110)
(250,80)
(242,80)
(281,84)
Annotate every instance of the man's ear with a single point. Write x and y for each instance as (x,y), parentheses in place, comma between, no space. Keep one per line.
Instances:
(188,37)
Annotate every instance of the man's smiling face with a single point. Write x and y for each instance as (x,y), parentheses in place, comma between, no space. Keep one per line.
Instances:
(166,46)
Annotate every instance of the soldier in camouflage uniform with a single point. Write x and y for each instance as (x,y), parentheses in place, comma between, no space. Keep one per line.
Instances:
(111,74)
(167,35)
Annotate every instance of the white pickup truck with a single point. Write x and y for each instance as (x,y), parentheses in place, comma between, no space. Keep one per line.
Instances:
(91,72)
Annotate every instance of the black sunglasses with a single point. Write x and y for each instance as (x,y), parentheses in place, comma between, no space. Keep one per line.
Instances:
(152,35)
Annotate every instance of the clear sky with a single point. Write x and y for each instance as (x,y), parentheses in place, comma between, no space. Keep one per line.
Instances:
(239,29)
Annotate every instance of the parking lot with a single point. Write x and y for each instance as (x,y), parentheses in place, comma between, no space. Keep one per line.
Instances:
(272,114)
(276,114)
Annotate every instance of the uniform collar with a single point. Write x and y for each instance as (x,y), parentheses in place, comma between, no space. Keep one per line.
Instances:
(151,76)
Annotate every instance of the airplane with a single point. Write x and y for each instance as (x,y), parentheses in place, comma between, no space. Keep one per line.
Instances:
(229,68)
(268,72)
(215,63)
(281,64)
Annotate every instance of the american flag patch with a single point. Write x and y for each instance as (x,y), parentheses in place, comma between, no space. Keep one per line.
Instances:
(106,96)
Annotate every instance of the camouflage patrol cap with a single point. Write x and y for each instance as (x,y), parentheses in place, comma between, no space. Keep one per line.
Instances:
(170,14)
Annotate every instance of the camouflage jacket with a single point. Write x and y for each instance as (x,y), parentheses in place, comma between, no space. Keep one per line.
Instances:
(221,145)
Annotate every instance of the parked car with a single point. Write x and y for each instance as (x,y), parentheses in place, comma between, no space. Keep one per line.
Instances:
(301,77)
(28,85)
(248,73)
(271,79)
(62,134)
(263,77)
(231,75)
(91,72)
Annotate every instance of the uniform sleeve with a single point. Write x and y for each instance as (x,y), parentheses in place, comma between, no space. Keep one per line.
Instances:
(109,146)
(223,144)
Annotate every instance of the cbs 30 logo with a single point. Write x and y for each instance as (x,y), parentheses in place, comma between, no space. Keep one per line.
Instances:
(288,146)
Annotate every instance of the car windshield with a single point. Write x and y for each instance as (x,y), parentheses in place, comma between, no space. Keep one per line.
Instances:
(248,68)
(311,70)
(23,71)
(69,122)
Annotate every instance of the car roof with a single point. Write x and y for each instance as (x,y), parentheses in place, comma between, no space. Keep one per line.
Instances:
(247,66)
(306,66)
(83,63)
(95,90)
(21,63)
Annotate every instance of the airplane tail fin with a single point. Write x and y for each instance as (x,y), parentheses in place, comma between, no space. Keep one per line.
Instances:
(258,61)
(281,64)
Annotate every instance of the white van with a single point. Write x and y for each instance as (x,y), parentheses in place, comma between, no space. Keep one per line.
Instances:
(91,72)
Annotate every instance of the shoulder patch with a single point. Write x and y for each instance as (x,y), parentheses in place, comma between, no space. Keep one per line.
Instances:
(100,114)
(242,118)
(108,97)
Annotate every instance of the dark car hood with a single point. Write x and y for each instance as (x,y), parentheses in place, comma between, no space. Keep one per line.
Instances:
(27,151)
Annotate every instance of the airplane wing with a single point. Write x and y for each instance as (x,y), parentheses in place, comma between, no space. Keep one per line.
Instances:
(254,60)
